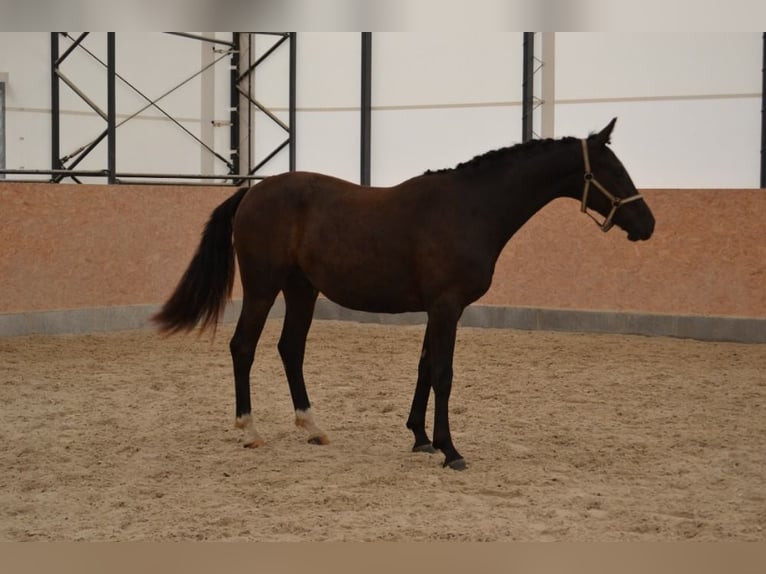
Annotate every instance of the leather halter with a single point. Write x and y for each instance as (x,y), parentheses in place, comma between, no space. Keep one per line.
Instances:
(617,202)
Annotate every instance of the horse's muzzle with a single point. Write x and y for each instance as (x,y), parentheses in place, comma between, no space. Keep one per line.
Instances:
(641,235)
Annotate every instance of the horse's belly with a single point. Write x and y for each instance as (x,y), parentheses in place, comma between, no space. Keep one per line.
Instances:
(371,290)
(373,304)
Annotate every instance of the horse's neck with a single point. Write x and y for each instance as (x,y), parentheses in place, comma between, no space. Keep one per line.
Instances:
(515,196)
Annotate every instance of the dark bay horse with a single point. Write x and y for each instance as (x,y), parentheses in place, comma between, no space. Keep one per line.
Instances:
(428,244)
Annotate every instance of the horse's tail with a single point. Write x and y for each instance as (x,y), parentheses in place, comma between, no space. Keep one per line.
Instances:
(206,285)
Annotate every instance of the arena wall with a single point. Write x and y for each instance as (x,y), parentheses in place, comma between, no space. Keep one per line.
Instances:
(94,257)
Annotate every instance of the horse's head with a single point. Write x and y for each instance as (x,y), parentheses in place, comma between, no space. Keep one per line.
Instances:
(609,191)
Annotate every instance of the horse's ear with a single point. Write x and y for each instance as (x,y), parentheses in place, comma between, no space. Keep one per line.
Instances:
(603,137)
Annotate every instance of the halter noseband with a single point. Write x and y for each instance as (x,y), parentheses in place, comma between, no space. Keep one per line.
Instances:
(617,202)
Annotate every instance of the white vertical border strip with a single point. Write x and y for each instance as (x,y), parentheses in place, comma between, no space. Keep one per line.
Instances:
(207,105)
(548,89)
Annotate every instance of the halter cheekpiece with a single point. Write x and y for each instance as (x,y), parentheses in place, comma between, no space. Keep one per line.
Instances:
(590,179)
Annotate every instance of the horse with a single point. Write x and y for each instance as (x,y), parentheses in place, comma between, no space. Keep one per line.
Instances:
(427,244)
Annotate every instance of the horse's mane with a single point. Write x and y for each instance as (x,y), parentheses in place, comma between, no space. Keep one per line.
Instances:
(505,154)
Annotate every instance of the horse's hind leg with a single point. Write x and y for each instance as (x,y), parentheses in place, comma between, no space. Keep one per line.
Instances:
(300,297)
(416,422)
(242,346)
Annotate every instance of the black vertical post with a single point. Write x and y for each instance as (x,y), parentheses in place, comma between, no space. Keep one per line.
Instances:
(293,98)
(527,86)
(55,105)
(111,142)
(234,105)
(763,117)
(366,107)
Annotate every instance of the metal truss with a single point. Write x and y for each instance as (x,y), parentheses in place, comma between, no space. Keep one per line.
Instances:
(65,166)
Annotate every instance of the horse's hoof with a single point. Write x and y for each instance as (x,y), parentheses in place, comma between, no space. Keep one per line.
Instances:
(457,464)
(427,448)
(254,443)
(321,439)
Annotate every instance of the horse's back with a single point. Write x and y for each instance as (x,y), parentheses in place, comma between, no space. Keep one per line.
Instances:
(313,201)
(351,242)
(299,191)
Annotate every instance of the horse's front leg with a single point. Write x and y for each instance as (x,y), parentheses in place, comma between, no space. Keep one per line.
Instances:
(416,422)
(442,330)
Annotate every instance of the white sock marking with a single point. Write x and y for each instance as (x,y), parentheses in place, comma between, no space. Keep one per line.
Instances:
(305,419)
(252,438)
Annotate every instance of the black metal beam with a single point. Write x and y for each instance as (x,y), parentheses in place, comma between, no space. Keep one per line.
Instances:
(83,96)
(763,117)
(79,156)
(61,172)
(67,172)
(293,96)
(55,104)
(72,47)
(527,86)
(366,109)
(111,96)
(271,115)
(271,155)
(268,53)
(191,175)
